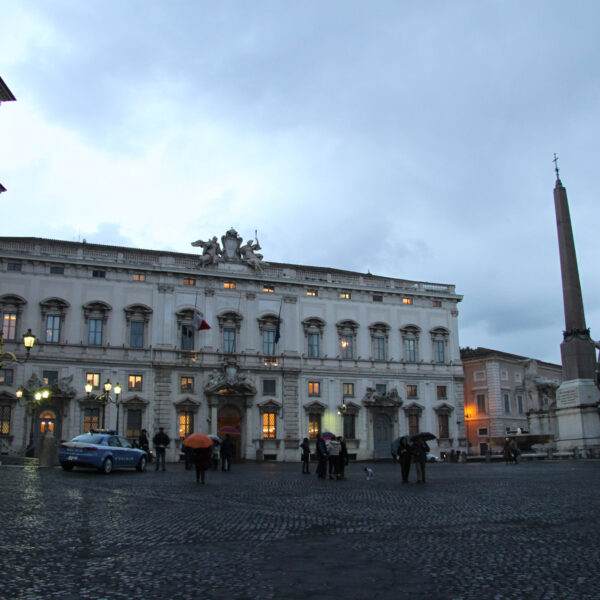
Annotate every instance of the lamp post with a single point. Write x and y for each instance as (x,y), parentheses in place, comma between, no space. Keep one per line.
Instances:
(105,398)
(467,417)
(33,400)
(7,358)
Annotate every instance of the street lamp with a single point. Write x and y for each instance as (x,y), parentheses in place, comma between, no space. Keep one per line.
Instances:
(467,417)
(33,399)
(7,358)
(105,398)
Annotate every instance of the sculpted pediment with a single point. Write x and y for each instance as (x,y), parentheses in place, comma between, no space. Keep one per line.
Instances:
(230,250)
(230,379)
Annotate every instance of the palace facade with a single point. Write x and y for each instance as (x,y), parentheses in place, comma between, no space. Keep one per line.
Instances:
(292,350)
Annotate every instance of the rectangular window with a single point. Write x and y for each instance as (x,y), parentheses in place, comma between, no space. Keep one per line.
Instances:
(520,404)
(9,326)
(187,337)
(269,387)
(379,348)
(349,427)
(95,332)
(440,351)
(13,266)
(56,270)
(313,345)
(443,426)
(482,431)
(91,419)
(314,425)
(269,426)
(436,303)
(4,419)
(347,346)
(345,295)
(348,390)
(312,292)
(6,376)
(186,384)
(98,273)
(49,377)
(189,281)
(411,391)
(410,350)
(229,339)
(269,289)
(136,334)
(407,300)
(52,329)
(139,276)
(314,388)
(229,285)
(186,423)
(506,398)
(413,425)
(442,392)
(134,383)
(94,379)
(481,404)
(134,423)
(268,342)
(381,389)
(377,298)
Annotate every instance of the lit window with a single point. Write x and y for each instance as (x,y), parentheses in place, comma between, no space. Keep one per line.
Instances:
(139,277)
(347,345)
(436,303)
(411,391)
(93,379)
(345,295)
(229,285)
(5,419)
(187,384)
(441,392)
(91,419)
(135,383)
(52,329)
(269,289)
(312,292)
(314,388)
(186,423)
(314,425)
(407,300)
(269,428)
(9,326)
(189,281)
(98,273)
(348,389)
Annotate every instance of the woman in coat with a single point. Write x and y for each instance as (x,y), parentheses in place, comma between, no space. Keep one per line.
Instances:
(405,458)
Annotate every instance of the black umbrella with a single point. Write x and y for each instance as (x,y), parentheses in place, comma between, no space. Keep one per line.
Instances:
(424,435)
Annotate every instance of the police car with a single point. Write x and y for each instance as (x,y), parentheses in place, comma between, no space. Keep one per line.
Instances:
(103,450)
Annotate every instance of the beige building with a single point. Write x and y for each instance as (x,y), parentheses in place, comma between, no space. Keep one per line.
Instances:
(291,350)
(507,393)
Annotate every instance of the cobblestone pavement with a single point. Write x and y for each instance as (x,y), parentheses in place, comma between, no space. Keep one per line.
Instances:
(472,532)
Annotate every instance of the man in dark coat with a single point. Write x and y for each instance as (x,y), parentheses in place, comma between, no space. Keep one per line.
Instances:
(419,451)
(226,453)
(321,457)
(161,440)
(404,458)
(200,457)
(342,459)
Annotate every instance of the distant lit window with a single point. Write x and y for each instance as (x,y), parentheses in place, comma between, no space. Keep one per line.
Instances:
(314,388)
(269,425)
(348,389)
(9,325)
(187,384)
(412,391)
(189,281)
(268,288)
(345,295)
(139,277)
(347,346)
(312,292)
(314,425)
(407,300)
(135,383)
(186,423)
(93,379)
(229,285)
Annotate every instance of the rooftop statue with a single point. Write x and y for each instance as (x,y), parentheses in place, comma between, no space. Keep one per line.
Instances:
(230,250)
(211,251)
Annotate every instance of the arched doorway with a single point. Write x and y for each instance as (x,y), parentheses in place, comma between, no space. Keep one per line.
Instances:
(382,435)
(229,421)
(47,422)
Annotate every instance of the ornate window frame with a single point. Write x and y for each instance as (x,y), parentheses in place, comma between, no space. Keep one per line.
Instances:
(410,332)
(136,312)
(12,303)
(51,307)
(347,329)
(439,334)
(313,325)
(379,330)
(96,309)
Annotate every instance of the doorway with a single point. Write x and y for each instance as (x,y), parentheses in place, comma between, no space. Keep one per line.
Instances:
(229,422)
(382,434)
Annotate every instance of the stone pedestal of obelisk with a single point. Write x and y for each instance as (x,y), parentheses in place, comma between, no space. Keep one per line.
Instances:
(577,398)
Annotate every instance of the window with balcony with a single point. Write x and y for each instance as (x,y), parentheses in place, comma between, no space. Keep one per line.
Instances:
(269,425)
(52,329)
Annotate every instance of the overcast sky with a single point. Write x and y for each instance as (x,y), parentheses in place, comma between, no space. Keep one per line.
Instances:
(410,139)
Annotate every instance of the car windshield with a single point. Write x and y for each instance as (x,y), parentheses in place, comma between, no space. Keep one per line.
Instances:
(88,438)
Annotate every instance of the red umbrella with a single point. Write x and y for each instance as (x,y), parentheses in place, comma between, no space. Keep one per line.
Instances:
(229,429)
(197,440)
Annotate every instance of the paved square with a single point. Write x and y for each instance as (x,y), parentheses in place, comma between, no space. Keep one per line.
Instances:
(476,531)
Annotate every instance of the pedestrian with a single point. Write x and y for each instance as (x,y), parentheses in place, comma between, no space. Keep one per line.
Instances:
(333,451)
(143,441)
(419,450)
(161,440)
(214,455)
(226,453)
(514,451)
(305,455)
(404,458)
(506,451)
(343,459)
(321,457)
(201,457)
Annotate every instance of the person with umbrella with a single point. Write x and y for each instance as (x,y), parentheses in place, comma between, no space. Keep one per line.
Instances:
(305,447)
(404,457)
(321,457)
(199,447)
(419,450)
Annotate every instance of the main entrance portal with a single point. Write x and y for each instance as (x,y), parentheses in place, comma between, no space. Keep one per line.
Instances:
(382,435)
(229,422)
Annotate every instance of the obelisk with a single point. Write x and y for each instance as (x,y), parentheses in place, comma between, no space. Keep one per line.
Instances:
(577,398)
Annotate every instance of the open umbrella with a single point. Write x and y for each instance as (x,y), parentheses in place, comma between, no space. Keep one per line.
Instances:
(327,435)
(396,443)
(215,438)
(229,429)
(424,435)
(197,440)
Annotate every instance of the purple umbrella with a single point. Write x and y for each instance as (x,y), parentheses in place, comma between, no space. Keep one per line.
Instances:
(327,435)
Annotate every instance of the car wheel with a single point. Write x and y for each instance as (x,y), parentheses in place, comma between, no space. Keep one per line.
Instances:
(141,466)
(107,465)
(67,466)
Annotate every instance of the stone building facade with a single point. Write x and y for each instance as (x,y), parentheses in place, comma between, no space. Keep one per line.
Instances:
(291,349)
(507,393)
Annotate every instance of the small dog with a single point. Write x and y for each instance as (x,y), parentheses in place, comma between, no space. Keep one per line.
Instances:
(369,473)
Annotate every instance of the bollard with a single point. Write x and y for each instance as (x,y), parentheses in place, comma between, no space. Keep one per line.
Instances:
(47,450)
